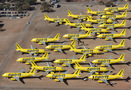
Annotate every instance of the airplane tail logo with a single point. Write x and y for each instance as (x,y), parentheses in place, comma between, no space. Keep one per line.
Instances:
(83,57)
(123,32)
(121,73)
(45,55)
(46,16)
(89,33)
(73,43)
(33,64)
(124,22)
(72,48)
(67,21)
(89,10)
(33,72)
(122,43)
(69,12)
(57,36)
(77,65)
(126,6)
(124,14)
(18,46)
(82,25)
(77,72)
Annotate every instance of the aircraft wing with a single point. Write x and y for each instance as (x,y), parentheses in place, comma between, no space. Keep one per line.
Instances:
(60,79)
(110,57)
(66,71)
(74,38)
(48,36)
(107,64)
(91,73)
(32,47)
(22,71)
(111,27)
(109,50)
(31,53)
(110,43)
(73,57)
(59,49)
(104,80)
(44,43)
(91,64)
(63,43)
(108,73)
(68,64)
(85,47)
(48,64)
(109,38)
(17,78)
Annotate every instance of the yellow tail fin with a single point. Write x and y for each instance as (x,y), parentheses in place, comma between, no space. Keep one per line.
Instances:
(125,13)
(69,13)
(77,72)
(18,46)
(126,6)
(73,43)
(124,22)
(89,10)
(45,55)
(83,57)
(77,64)
(89,33)
(122,56)
(33,63)
(46,16)
(121,73)
(122,43)
(32,71)
(67,21)
(123,32)
(72,48)
(83,26)
(57,36)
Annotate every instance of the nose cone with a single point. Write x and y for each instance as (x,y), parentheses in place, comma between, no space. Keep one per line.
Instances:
(47,47)
(106,9)
(99,36)
(33,40)
(56,61)
(101,25)
(90,77)
(65,36)
(49,75)
(5,75)
(18,60)
(94,61)
(96,48)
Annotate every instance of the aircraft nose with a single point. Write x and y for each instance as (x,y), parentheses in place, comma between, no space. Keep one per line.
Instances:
(48,75)
(100,25)
(56,61)
(47,47)
(93,61)
(4,75)
(90,77)
(96,48)
(33,40)
(99,36)
(65,36)
(18,60)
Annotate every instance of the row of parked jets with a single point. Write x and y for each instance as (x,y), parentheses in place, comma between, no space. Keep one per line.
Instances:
(67,62)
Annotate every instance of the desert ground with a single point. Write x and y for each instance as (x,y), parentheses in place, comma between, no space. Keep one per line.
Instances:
(17,31)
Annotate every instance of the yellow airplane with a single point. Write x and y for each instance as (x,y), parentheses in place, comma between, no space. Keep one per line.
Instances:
(106,77)
(79,17)
(17,76)
(30,51)
(114,17)
(46,40)
(87,51)
(98,12)
(60,47)
(99,21)
(35,59)
(94,30)
(68,62)
(108,61)
(78,25)
(113,25)
(55,20)
(47,68)
(77,36)
(61,76)
(112,35)
(110,47)
(91,69)
(116,9)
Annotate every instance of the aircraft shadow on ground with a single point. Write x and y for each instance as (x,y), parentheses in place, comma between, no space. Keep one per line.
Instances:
(2,30)
(123,27)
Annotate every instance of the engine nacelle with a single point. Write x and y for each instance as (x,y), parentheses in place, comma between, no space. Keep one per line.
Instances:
(13,79)
(96,73)
(57,80)
(55,50)
(64,65)
(103,65)
(89,54)
(27,63)
(40,43)
(100,81)
(105,51)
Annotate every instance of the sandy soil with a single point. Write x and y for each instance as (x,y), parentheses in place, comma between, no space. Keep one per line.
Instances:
(40,28)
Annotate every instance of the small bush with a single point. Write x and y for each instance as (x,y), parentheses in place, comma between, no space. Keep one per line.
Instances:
(108,4)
